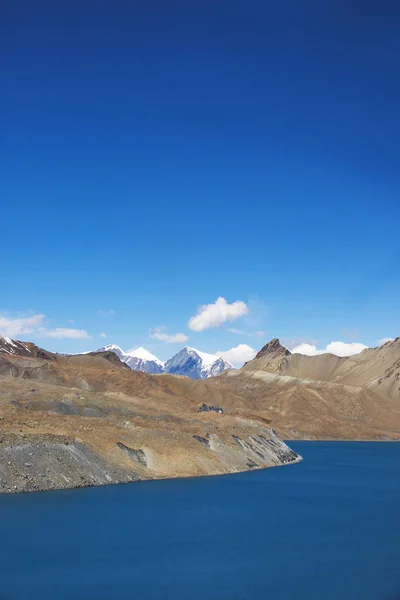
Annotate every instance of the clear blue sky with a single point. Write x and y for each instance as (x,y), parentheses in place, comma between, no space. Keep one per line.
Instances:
(156,156)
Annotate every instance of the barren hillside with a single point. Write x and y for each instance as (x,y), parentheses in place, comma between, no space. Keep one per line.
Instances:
(67,421)
(324,396)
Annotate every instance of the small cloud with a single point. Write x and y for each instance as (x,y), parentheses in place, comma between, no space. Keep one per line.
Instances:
(241,332)
(216,314)
(21,326)
(338,348)
(238,355)
(63,333)
(159,334)
(238,331)
(385,340)
(103,335)
(71,321)
(106,312)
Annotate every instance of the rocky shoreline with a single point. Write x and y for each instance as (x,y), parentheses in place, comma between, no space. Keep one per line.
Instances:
(31,463)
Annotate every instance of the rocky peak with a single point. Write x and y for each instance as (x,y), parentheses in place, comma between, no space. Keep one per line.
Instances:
(273,347)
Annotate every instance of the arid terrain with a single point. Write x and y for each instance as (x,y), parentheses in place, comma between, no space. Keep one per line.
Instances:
(67,421)
(321,397)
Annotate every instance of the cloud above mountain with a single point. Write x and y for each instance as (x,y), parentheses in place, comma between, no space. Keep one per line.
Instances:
(13,327)
(64,333)
(216,314)
(35,325)
(337,348)
(160,334)
(246,333)
(384,340)
(237,355)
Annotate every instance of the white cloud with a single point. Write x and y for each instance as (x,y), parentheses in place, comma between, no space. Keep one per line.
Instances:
(214,315)
(241,332)
(14,327)
(34,325)
(62,333)
(308,349)
(337,348)
(103,335)
(159,334)
(238,355)
(106,312)
(383,341)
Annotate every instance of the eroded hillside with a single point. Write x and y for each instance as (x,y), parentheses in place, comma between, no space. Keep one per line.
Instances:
(67,421)
(321,397)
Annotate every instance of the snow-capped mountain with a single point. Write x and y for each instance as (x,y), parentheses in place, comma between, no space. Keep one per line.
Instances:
(112,348)
(196,364)
(188,361)
(137,360)
(143,360)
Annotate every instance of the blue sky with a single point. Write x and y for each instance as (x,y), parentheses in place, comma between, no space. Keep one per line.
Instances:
(158,156)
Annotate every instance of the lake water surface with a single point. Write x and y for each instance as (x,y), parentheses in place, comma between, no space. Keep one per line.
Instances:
(327,528)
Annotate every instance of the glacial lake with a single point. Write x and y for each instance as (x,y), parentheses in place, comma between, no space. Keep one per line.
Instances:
(327,528)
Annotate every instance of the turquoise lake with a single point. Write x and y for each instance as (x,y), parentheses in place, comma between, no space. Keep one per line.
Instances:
(327,528)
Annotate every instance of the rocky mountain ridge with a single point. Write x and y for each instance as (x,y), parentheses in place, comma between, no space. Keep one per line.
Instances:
(89,419)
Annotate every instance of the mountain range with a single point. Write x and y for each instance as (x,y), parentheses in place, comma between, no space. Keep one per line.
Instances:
(188,362)
(90,419)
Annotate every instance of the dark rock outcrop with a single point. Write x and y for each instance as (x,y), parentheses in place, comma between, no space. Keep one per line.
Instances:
(202,440)
(207,408)
(136,454)
(273,347)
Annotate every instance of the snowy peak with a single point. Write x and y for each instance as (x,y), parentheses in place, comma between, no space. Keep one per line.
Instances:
(196,364)
(188,361)
(144,354)
(113,348)
(143,360)
(137,360)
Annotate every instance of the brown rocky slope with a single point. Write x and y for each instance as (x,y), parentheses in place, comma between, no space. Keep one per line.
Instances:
(321,397)
(68,421)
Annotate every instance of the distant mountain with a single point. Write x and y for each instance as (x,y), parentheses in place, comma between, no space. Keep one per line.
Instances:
(188,361)
(113,348)
(137,360)
(143,360)
(196,364)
